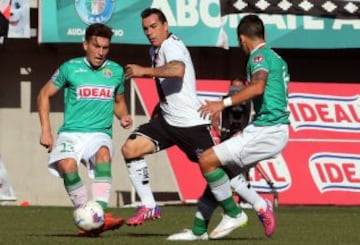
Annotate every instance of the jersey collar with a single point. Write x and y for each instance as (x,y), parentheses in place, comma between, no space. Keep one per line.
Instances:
(156,50)
(259,46)
(91,67)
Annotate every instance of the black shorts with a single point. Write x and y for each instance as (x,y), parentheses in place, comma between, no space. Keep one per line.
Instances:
(191,140)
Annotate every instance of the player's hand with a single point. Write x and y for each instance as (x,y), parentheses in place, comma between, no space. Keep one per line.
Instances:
(126,122)
(210,108)
(215,123)
(46,140)
(133,70)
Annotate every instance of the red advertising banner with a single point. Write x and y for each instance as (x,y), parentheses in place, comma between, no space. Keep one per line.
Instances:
(321,163)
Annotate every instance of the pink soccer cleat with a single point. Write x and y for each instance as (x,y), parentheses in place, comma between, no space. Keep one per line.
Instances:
(267,219)
(143,214)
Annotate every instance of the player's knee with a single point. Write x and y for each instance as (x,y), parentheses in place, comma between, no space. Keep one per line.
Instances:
(137,146)
(126,150)
(208,161)
(129,150)
(103,154)
(67,166)
(204,163)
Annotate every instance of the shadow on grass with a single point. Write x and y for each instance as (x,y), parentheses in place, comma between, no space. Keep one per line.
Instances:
(130,234)
(61,235)
(145,235)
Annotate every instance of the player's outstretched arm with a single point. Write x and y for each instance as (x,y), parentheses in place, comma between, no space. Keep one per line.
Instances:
(121,111)
(254,89)
(43,103)
(174,69)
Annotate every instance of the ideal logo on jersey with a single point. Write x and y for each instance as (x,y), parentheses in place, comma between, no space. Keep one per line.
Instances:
(324,112)
(275,170)
(95,92)
(335,171)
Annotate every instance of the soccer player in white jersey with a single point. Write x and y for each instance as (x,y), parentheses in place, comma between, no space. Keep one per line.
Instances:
(178,122)
(93,93)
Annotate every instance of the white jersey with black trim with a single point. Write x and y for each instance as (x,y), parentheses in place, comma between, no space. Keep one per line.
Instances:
(182,103)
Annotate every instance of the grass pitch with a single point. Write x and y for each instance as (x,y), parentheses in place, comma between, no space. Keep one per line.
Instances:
(296,225)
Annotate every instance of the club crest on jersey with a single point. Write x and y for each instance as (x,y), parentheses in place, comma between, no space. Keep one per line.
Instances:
(335,171)
(258,59)
(324,112)
(94,11)
(90,92)
(107,73)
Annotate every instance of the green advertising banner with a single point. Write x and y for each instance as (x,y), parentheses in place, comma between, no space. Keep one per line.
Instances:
(196,22)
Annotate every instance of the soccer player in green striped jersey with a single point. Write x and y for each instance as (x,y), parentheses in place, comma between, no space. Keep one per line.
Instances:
(93,92)
(265,137)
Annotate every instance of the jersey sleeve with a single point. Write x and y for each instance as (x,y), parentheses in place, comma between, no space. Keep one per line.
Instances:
(59,78)
(258,61)
(172,51)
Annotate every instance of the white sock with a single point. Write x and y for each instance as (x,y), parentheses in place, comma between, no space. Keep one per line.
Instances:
(78,196)
(101,191)
(139,176)
(241,187)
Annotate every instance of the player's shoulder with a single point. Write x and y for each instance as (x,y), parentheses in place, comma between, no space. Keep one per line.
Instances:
(73,62)
(264,53)
(114,65)
(173,45)
(174,38)
(172,41)
(258,57)
(70,64)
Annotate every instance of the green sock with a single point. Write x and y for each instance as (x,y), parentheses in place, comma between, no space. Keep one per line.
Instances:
(220,186)
(103,170)
(102,204)
(71,180)
(199,226)
(230,207)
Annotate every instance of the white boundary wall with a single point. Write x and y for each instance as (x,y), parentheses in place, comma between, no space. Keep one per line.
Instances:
(26,160)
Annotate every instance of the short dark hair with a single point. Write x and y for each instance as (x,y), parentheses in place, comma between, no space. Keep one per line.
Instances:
(149,11)
(251,26)
(98,29)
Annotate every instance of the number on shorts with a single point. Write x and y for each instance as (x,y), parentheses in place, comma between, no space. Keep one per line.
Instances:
(66,147)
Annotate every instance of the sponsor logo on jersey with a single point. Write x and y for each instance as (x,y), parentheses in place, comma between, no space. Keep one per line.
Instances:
(325,112)
(107,73)
(94,11)
(258,59)
(275,170)
(95,92)
(335,171)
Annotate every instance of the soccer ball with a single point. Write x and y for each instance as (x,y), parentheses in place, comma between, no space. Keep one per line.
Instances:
(89,216)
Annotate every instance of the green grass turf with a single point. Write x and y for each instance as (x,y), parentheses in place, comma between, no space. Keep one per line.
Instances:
(296,225)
